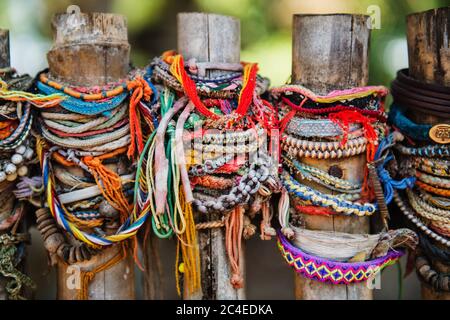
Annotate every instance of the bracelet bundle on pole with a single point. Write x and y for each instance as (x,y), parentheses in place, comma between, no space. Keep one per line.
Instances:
(339,125)
(422,155)
(17,157)
(88,147)
(210,154)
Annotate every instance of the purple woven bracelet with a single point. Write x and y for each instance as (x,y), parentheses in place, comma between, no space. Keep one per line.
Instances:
(335,272)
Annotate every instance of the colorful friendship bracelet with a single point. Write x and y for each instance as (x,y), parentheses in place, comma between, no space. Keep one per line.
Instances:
(319,269)
(317,198)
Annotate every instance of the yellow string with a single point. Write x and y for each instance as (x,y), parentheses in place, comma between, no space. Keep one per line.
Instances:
(190,253)
(178,227)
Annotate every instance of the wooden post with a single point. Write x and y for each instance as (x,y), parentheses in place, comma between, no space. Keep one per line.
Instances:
(331,52)
(211,38)
(428,38)
(4,63)
(92,49)
(153,275)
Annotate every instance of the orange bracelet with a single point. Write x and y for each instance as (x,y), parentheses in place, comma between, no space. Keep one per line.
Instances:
(438,191)
(86,97)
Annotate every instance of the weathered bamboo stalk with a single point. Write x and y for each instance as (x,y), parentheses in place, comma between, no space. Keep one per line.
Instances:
(428,37)
(92,49)
(4,63)
(331,52)
(153,275)
(211,38)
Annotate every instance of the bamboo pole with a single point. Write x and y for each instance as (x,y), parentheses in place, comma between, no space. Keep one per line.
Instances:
(428,39)
(331,52)
(4,63)
(92,49)
(211,38)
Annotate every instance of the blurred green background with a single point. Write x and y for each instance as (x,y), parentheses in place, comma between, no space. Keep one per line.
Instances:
(265,26)
(266,39)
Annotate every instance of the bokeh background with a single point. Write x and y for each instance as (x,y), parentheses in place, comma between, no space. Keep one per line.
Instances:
(266,39)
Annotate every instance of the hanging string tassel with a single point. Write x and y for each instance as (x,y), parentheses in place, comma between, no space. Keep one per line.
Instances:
(190,89)
(190,253)
(110,185)
(141,90)
(267,232)
(248,88)
(344,119)
(234,227)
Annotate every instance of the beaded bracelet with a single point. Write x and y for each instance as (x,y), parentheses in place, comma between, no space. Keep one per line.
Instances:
(79,93)
(432,151)
(317,198)
(315,154)
(249,184)
(440,202)
(322,145)
(435,181)
(434,190)
(408,212)
(334,272)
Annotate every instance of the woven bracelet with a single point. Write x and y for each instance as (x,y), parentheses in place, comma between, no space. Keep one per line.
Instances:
(334,272)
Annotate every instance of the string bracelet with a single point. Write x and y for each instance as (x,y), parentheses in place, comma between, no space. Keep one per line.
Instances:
(329,271)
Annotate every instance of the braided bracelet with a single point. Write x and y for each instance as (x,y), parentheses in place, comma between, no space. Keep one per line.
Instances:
(432,151)
(231,149)
(440,202)
(321,177)
(317,198)
(73,127)
(427,211)
(209,166)
(334,272)
(227,137)
(408,212)
(249,184)
(437,167)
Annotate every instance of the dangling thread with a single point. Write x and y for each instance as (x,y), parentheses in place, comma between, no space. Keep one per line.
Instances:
(234,227)
(188,245)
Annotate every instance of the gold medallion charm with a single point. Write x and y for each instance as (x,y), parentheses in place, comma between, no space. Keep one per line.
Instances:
(440,133)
